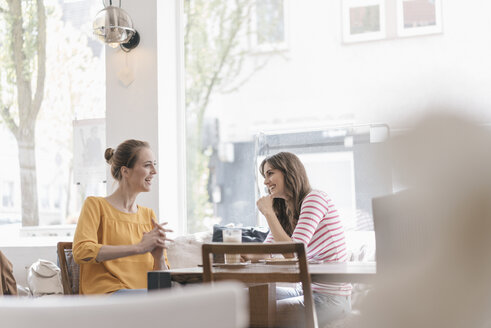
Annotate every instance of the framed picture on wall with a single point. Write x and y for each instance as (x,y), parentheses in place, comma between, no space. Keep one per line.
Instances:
(363,20)
(419,17)
(89,141)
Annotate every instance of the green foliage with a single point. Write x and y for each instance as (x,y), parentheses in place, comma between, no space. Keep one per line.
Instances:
(30,32)
(199,206)
(213,55)
(216,49)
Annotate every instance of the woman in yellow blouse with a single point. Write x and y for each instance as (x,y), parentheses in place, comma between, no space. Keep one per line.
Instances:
(117,241)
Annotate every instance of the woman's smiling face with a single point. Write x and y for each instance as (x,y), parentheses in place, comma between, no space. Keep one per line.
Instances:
(274,181)
(141,175)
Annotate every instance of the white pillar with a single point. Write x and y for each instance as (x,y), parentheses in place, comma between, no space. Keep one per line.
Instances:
(172,115)
(142,100)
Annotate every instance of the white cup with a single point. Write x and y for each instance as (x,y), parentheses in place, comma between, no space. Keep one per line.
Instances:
(232,235)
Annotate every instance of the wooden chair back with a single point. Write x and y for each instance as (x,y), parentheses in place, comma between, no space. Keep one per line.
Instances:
(69,269)
(256,274)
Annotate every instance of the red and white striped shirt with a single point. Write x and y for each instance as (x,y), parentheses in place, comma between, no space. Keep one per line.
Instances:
(320,228)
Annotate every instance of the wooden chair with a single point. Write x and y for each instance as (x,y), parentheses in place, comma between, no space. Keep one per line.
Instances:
(70,270)
(263,273)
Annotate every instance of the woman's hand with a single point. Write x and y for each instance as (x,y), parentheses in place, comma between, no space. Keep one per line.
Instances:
(158,251)
(155,239)
(152,241)
(265,205)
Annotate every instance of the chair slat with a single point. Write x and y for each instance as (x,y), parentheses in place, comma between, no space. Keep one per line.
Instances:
(66,278)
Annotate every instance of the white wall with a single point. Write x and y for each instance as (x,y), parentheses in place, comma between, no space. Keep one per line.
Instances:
(135,111)
(132,111)
(22,257)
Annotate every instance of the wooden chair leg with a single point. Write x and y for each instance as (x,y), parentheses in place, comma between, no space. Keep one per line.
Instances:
(262,305)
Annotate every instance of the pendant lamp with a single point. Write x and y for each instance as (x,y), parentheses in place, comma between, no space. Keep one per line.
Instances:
(113,26)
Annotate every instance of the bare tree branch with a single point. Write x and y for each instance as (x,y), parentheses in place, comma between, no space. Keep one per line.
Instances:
(233,33)
(9,121)
(216,54)
(6,115)
(26,56)
(18,57)
(41,60)
(244,80)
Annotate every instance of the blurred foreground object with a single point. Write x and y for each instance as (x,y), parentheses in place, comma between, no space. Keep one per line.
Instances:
(8,285)
(433,260)
(223,305)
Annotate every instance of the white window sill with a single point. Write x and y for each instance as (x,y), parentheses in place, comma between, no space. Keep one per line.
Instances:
(16,236)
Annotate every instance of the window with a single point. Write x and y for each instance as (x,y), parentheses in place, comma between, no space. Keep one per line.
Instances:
(322,83)
(39,159)
(344,161)
(7,194)
(270,25)
(419,17)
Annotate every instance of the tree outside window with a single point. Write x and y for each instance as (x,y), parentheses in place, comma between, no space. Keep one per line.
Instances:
(218,60)
(50,73)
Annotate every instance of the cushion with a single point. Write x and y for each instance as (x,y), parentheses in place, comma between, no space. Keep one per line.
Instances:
(73,270)
(185,251)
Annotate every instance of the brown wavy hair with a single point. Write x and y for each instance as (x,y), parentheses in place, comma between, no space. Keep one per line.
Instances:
(297,187)
(126,154)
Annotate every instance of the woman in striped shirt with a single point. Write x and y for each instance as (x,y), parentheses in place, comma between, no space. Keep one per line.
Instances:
(297,213)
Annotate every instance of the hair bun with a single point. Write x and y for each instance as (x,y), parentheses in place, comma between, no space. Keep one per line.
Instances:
(108,155)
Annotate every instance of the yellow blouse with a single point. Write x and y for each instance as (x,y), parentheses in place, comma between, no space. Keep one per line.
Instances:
(101,224)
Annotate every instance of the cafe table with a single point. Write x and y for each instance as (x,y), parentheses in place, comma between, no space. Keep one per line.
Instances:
(359,272)
(263,296)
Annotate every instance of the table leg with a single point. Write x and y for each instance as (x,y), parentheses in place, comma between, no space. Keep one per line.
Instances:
(262,305)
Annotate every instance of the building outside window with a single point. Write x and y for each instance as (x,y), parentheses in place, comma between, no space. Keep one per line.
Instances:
(312,87)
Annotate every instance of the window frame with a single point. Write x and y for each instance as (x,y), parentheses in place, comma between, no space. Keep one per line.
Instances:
(269,47)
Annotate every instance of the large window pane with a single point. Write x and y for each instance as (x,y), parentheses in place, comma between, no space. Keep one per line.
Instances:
(309,89)
(51,76)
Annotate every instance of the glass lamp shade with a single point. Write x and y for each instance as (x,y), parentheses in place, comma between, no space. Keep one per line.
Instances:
(112,25)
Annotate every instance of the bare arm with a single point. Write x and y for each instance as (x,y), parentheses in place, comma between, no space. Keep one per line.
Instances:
(159,264)
(277,230)
(265,205)
(158,252)
(109,252)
